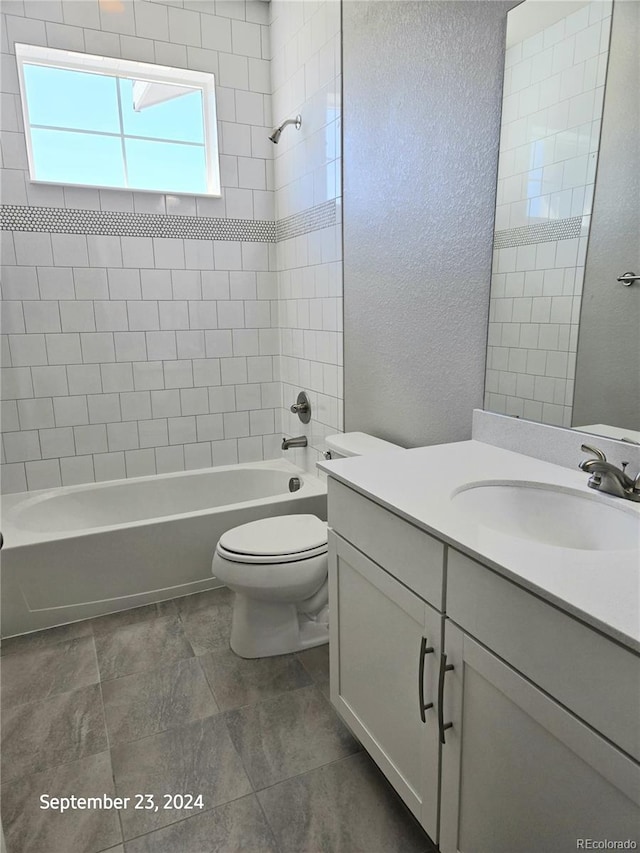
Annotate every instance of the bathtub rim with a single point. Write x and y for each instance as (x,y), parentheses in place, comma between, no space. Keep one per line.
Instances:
(17,537)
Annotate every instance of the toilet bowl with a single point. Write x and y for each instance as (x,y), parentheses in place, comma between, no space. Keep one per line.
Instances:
(278,568)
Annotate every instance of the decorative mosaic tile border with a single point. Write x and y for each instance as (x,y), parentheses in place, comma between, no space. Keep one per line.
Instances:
(14,217)
(543,232)
(313,219)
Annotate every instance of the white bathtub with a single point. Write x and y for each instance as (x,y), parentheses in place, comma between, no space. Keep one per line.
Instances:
(79,551)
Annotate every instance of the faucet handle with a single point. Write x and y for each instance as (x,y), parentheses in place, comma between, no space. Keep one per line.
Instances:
(587,448)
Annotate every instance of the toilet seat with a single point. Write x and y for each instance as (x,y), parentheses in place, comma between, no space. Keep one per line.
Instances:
(281,539)
(269,559)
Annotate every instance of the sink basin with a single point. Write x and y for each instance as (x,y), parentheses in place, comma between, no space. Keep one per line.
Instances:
(550,514)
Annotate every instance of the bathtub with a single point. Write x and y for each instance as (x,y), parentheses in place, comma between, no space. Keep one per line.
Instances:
(80,551)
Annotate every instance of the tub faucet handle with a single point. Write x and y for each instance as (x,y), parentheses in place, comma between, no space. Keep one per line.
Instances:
(302,407)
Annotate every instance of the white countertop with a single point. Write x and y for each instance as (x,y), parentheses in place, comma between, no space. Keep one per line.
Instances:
(602,588)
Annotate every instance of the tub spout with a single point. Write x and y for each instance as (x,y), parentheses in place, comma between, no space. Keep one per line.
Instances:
(298,441)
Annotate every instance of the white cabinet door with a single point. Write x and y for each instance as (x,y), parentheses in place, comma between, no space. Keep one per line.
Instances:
(385,645)
(520,774)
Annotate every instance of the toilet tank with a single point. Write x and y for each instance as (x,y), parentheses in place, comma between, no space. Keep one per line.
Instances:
(357,444)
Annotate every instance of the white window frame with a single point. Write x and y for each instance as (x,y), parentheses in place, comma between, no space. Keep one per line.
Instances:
(35,55)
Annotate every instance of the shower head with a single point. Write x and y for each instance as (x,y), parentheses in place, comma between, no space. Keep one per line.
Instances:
(277,133)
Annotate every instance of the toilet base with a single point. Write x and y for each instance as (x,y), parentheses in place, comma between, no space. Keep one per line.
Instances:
(263,629)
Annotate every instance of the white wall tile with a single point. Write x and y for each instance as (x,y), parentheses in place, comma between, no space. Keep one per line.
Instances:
(194,401)
(148,375)
(33,249)
(84,379)
(173,315)
(137,252)
(111,315)
(76,316)
(44,474)
(27,350)
(35,413)
(97,347)
(184,27)
(90,283)
(218,343)
(216,33)
(140,463)
(90,439)
(129,346)
(209,427)
(70,411)
(116,377)
(234,71)
(135,405)
(153,433)
(197,455)
(161,345)
(69,250)
(122,436)
(169,459)
(109,466)
(186,284)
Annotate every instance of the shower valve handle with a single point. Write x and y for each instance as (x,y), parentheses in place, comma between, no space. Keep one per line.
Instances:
(302,408)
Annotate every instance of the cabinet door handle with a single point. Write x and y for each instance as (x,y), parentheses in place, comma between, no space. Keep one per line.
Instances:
(424,650)
(444,668)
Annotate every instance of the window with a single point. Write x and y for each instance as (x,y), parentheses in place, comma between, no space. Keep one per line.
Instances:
(101,122)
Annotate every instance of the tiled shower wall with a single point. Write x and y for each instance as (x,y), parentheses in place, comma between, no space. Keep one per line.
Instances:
(306,77)
(552,109)
(140,330)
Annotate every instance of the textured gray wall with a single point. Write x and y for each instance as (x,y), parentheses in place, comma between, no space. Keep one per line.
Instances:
(607,387)
(422,94)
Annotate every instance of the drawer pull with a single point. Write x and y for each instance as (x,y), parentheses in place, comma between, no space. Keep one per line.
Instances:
(444,668)
(424,650)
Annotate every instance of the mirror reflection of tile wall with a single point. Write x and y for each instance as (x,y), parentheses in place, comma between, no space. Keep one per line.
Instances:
(552,109)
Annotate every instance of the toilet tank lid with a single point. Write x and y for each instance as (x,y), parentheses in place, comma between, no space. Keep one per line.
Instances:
(358,443)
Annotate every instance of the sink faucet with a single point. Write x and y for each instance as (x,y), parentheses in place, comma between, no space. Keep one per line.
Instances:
(298,441)
(608,478)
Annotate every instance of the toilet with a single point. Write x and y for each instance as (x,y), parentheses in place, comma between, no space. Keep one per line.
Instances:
(278,569)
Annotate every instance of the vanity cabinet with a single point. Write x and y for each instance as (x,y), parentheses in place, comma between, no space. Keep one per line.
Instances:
(505,724)
(385,648)
(520,773)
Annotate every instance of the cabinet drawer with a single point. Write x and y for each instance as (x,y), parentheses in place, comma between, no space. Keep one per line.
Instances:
(588,673)
(406,552)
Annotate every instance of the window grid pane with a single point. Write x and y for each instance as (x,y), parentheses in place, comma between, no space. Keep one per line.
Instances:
(86,142)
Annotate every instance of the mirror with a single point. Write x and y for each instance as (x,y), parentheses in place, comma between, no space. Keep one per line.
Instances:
(563,345)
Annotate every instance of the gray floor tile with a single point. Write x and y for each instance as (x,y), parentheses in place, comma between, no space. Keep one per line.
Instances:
(113,621)
(29,828)
(234,827)
(198,758)
(316,662)
(145,645)
(345,807)
(146,703)
(237,682)
(56,731)
(208,628)
(289,734)
(48,637)
(46,671)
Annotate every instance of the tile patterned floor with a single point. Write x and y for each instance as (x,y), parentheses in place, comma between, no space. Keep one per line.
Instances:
(153,701)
